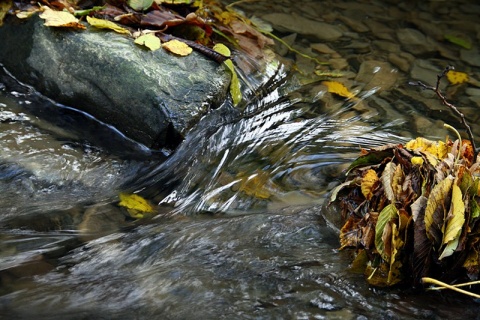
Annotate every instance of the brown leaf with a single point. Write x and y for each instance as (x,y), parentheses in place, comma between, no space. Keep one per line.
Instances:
(161,19)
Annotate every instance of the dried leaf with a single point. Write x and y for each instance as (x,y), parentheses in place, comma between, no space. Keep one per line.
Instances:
(387,178)
(387,214)
(397,182)
(418,207)
(373,156)
(435,211)
(394,274)
(177,47)
(60,19)
(369,183)
(105,24)
(456,77)
(338,88)
(454,223)
(150,41)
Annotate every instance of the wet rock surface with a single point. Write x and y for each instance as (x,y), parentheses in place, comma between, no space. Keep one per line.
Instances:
(152,97)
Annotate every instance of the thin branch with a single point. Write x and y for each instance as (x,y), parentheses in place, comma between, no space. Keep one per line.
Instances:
(447,286)
(436,89)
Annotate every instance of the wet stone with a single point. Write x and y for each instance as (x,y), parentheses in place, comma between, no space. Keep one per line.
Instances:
(377,74)
(472,57)
(399,62)
(415,42)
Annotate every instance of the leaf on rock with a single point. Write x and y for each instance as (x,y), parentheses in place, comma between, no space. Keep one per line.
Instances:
(338,88)
(235,87)
(140,5)
(150,41)
(385,216)
(369,183)
(177,47)
(456,77)
(135,204)
(105,24)
(435,212)
(60,19)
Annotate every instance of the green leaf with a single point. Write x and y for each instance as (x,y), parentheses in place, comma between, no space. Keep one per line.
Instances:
(105,24)
(435,210)
(222,49)
(459,40)
(384,217)
(86,12)
(150,41)
(235,82)
(4,7)
(475,210)
(374,156)
(140,5)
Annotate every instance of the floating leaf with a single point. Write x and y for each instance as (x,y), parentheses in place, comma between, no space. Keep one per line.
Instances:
(150,41)
(338,88)
(460,40)
(135,204)
(235,91)
(369,182)
(435,210)
(387,214)
(140,5)
(177,47)
(457,77)
(60,19)
(105,24)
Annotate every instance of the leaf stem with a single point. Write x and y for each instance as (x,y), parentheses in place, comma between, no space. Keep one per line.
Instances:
(459,140)
(447,286)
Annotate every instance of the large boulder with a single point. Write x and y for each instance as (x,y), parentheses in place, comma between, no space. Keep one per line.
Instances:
(151,97)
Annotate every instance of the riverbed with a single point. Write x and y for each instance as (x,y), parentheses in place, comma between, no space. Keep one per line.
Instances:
(241,229)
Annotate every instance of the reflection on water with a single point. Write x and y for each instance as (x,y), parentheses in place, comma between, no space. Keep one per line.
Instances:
(241,231)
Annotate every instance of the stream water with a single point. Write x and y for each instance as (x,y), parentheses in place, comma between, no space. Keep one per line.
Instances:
(241,230)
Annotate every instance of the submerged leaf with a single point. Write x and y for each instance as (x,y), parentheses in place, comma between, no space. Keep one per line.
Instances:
(150,41)
(105,24)
(60,19)
(456,77)
(460,40)
(338,88)
(177,47)
(135,204)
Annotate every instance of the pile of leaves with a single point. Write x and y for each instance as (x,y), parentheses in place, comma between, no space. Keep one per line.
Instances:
(412,211)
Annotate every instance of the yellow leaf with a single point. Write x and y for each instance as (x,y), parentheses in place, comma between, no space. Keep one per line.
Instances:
(4,7)
(418,161)
(369,182)
(235,88)
(150,41)
(105,24)
(135,204)
(387,214)
(338,88)
(177,47)
(456,77)
(60,19)
(454,223)
(438,149)
(434,212)
(394,273)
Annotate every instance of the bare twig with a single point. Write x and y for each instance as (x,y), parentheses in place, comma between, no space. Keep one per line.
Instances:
(436,89)
(447,286)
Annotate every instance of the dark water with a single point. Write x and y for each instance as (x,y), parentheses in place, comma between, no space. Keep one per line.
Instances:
(241,230)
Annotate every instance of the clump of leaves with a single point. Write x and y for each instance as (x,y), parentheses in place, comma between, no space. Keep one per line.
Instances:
(413,211)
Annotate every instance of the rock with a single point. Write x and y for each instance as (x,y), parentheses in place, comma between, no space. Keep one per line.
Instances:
(399,62)
(416,42)
(470,57)
(286,23)
(151,97)
(377,74)
(426,72)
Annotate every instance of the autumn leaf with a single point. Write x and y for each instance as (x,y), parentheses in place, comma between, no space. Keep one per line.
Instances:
(394,274)
(235,82)
(417,161)
(454,224)
(338,88)
(435,210)
(150,41)
(456,77)
(387,179)
(177,47)
(438,149)
(140,5)
(135,204)
(105,24)
(60,19)
(4,7)
(369,183)
(387,214)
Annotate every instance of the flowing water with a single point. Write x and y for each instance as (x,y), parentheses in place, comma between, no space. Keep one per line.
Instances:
(241,230)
